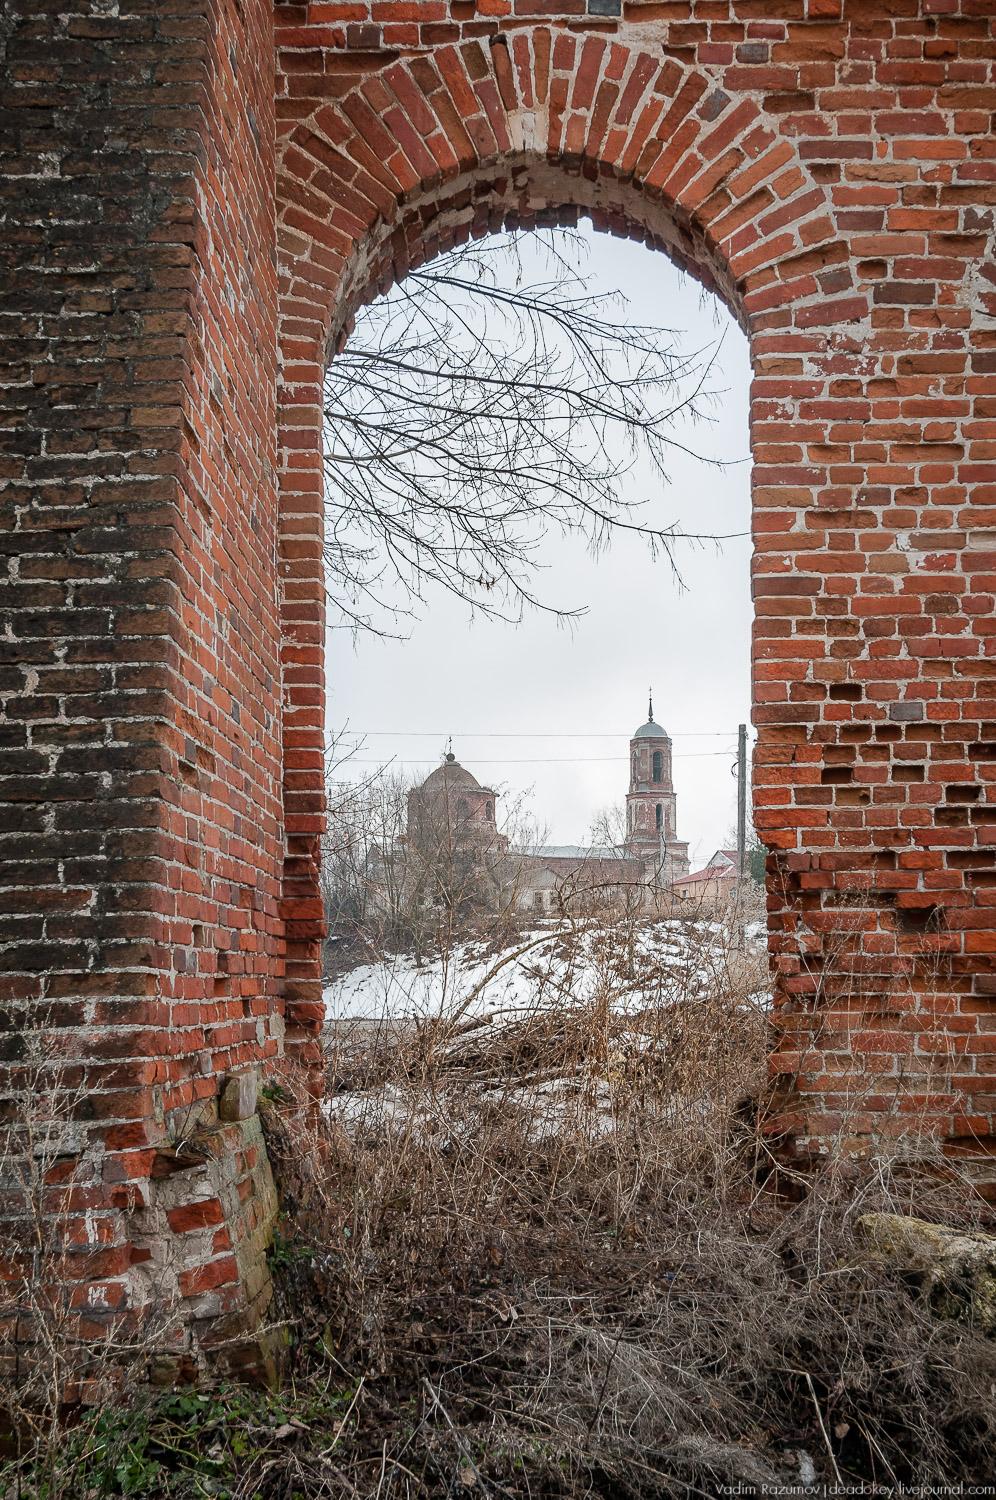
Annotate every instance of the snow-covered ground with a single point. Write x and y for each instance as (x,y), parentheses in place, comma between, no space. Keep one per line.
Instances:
(540,968)
(545,975)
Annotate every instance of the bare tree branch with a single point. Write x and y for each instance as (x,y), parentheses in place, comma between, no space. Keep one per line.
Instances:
(470,415)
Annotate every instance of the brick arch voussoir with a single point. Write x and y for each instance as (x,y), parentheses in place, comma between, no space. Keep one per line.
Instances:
(655,149)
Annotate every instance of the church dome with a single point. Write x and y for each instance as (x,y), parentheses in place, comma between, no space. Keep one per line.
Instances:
(650,731)
(450,775)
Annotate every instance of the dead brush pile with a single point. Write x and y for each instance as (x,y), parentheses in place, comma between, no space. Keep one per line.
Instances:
(550,1249)
(544,1255)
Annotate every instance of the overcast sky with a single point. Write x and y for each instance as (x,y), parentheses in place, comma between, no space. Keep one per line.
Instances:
(547,710)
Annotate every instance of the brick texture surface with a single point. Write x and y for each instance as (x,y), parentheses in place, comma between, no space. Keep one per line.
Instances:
(198,198)
(142,824)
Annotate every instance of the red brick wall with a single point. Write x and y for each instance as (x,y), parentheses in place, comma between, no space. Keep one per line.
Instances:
(829,170)
(142,828)
(829,173)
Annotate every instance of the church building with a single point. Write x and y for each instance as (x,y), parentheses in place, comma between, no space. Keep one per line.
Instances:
(636,873)
(452,799)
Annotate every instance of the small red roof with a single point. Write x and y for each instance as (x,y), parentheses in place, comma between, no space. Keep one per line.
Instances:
(711,872)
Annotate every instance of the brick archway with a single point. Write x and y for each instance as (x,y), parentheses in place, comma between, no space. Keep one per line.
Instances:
(533,126)
(176,288)
(526,129)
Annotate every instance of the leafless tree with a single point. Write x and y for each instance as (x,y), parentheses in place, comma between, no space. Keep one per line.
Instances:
(608,826)
(363,818)
(471,412)
(406,882)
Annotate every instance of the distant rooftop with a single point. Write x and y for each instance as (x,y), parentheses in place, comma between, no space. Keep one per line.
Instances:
(720,867)
(580,851)
(450,776)
(650,731)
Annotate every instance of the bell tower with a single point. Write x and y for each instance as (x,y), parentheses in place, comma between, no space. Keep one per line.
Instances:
(651,810)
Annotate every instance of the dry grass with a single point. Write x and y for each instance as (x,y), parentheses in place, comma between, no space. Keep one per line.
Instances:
(554,1252)
(61,1350)
(548,1257)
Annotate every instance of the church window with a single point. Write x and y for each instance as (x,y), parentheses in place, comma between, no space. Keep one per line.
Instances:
(489,811)
(658,765)
(636,776)
(462,810)
(660,817)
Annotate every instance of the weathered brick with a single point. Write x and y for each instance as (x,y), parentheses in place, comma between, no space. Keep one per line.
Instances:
(835,194)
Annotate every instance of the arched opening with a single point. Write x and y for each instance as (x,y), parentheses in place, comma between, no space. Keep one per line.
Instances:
(659,817)
(514,168)
(681,166)
(527,668)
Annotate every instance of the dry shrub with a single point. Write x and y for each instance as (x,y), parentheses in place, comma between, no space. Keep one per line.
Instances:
(552,1249)
(546,1255)
(63,1350)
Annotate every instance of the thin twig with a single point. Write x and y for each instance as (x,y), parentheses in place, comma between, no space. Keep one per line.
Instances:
(342,1425)
(826,1435)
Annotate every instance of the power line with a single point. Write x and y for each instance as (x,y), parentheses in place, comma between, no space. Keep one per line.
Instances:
(425,734)
(545,760)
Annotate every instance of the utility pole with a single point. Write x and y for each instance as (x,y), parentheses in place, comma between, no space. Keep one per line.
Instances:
(741,806)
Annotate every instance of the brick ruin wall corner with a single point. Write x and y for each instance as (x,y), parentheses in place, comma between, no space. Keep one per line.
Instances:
(196,203)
